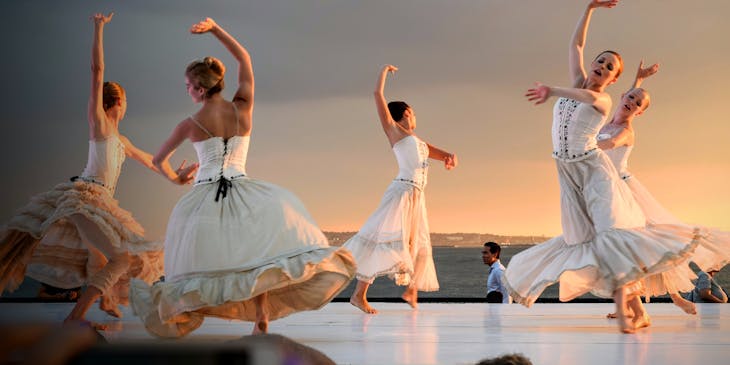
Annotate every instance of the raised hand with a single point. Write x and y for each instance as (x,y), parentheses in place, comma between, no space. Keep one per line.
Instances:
(390,68)
(539,94)
(101,19)
(603,4)
(185,174)
(451,161)
(643,73)
(203,26)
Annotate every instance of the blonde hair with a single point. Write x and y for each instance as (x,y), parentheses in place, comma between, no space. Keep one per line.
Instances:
(208,74)
(112,92)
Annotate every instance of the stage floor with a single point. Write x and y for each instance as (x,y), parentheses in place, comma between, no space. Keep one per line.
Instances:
(453,333)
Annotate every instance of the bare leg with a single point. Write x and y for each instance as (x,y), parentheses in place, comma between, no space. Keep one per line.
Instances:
(687,306)
(641,318)
(359,298)
(624,325)
(410,295)
(262,314)
(103,280)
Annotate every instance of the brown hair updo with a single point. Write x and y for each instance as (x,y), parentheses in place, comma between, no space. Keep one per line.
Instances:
(112,92)
(208,74)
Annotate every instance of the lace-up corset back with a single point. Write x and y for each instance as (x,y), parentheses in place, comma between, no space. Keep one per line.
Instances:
(620,158)
(220,158)
(574,130)
(412,156)
(104,163)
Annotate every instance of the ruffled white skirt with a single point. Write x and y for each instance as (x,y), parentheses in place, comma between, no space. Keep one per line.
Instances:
(220,255)
(607,242)
(712,252)
(40,241)
(395,240)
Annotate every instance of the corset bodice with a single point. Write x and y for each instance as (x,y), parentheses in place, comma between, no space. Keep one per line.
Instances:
(574,130)
(412,156)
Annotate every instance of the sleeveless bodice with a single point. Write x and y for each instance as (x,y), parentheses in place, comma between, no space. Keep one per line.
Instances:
(412,156)
(221,159)
(619,155)
(574,130)
(620,158)
(104,163)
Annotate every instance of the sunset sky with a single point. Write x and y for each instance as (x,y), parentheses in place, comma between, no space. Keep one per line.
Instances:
(464,67)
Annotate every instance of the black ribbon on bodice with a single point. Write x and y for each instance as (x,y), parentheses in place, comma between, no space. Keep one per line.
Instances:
(223,186)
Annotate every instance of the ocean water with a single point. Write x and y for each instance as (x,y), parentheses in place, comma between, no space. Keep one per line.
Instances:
(462,274)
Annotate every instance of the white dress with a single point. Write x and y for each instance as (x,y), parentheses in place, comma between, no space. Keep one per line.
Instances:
(606,241)
(713,251)
(395,240)
(232,238)
(40,242)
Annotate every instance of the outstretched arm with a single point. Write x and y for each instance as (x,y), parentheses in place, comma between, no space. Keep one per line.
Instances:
(390,127)
(643,73)
(245,92)
(578,41)
(540,93)
(450,160)
(95,110)
(183,175)
(139,155)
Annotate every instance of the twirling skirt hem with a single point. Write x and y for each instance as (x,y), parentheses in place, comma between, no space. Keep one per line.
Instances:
(304,282)
(608,280)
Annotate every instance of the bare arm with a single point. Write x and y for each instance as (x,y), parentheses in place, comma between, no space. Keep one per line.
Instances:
(540,93)
(139,155)
(244,96)
(450,160)
(623,138)
(578,41)
(95,110)
(183,175)
(643,73)
(390,127)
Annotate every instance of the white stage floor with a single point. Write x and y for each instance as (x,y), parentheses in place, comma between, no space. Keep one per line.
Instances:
(453,333)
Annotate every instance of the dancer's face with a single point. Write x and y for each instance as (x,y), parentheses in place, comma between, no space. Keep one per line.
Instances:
(604,69)
(633,103)
(488,257)
(196,93)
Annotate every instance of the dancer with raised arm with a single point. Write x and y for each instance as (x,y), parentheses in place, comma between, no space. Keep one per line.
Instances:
(606,247)
(76,234)
(617,138)
(395,240)
(236,247)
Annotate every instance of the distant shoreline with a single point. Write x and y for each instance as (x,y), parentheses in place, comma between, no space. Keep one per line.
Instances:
(456,239)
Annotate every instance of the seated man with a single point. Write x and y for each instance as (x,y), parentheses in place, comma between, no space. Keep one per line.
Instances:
(707,290)
(496,292)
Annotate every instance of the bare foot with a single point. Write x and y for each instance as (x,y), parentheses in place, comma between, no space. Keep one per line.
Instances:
(642,321)
(110,306)
(81,322)
(687,306)
(629,314)
(261,327)
(411,297)
(626,326)
(363,305)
